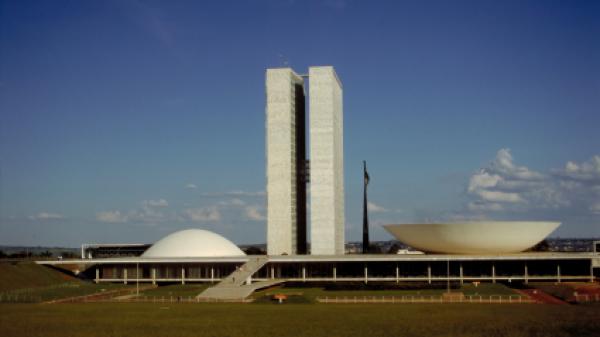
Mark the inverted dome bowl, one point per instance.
(485, 237)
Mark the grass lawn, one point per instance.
(564, 291)
(184, 290)
(487, 289)
(147, 319)
(29, 282)
(61, 291)
(484, 289)
(24, 275)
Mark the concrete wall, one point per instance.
(326, 162)
(281, 148)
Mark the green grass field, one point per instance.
(310, 293)
(269, 319)
(562, 291)
(64, 290)
(24, 275)
(29, 282)
(145, 319)
(177, 290)
(484, 289)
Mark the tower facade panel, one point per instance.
(326, 162)
(282, 137)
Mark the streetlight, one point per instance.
(137, 279)
(448, 273)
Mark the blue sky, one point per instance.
(122, 121)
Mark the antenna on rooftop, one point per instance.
(283, 60)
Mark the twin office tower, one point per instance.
(289, 171)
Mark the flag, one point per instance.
(366, 174)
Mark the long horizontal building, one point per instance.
(196, 255)
(523, 267)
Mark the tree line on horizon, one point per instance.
(25, 255)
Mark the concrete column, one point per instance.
(591, 271)
(429, 273)
(366, 274)
(558, 273)
(397, 274)
(461, 274)
(97, 275)
(493, 273)
(526, 274)
(182, 275)
(124, 275)
(334, 273)
(272, 272)
(212, 274)
(303, 273)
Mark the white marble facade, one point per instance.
(281, 160)
(326, 161)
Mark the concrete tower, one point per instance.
(286, 162)
(286, 156)
(326, 162)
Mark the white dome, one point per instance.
(485, 237)
(193, 243)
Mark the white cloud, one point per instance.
(111, 217)
(236, 193)
(484, 206)
(497, 196)
(191, 186)
(588, 170)
(502, 182)
(46, 216)
(503, 164)
(146, 214)
(505, 186)
(253, 213)
(204, 214)
(372, 207)
(232, 202)
(155, 203)
(482, 180)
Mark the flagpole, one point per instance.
(365, 214)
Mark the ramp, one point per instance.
(236, 293)
(239, 285)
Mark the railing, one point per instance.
(101, 295)
(32, 289)
(19, 298)
(24, 295)
(427, 299)
(587, 298)
(171, 299)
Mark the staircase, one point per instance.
(243, 273)
(238, 285)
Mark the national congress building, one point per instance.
(289, 170)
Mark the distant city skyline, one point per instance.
(123, 121)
